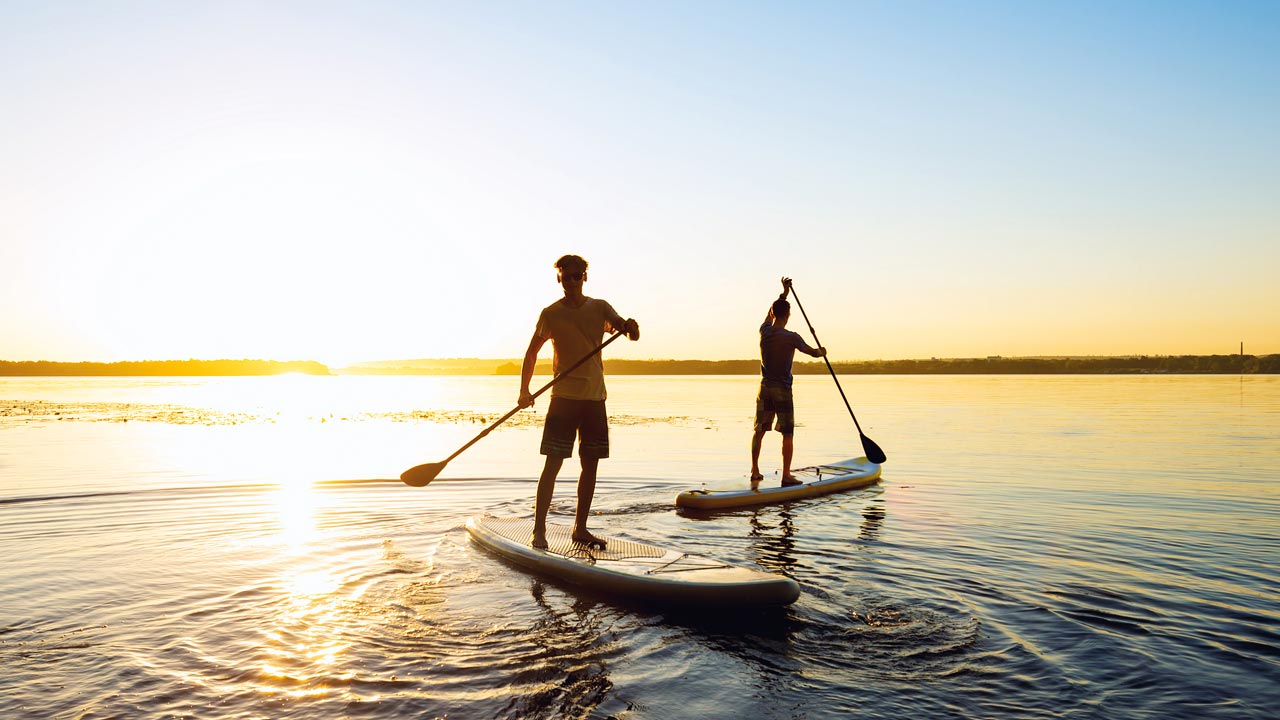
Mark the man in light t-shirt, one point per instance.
(575, 325)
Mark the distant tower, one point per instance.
(1241, 348)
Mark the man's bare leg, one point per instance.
(586, 493)
(788, 449)
(756, 439)
(546, 489)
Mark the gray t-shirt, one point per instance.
(777, 350)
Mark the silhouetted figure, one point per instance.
(575, 325)
(774, 405)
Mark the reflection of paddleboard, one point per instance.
(818, 480)
(631, 569)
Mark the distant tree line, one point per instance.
(1179, 364)
(453, 366)
(1144, 364)
(1149, 364)
(45, 368)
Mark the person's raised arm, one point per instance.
(786, 289)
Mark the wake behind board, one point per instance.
(819, 480)
(631, 569)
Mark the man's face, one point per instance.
(572, 277)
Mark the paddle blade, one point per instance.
(420, 475)
(873, 451)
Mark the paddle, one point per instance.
(420, 475)
(873, 451)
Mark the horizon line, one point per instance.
(458, 359)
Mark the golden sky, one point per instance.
(346, 183)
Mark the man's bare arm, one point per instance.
(786, 290)
(526, 370)
(628, 326)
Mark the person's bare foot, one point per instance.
(539, 540)
(584, 537)
(790, 480)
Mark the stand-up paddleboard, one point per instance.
(633, 570)
(819, 480)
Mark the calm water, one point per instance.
(1082, 547)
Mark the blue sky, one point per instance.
(350, 181)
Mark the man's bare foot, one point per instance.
(756, 477)
(539, 540)
(584, 537)
(790, 480)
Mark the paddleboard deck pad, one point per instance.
(632, 570)
(818, 480)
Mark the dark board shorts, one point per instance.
(774, 407)
(585, 419)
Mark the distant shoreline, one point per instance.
(1127, 365)
(160, 368)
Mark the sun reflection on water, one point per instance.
(304, 587)
(303, 645)
(296, 504)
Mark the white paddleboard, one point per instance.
(818, 480)
(632, 570)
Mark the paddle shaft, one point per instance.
(541, 390)
(830, 369)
